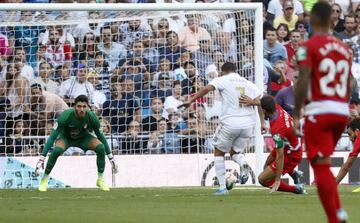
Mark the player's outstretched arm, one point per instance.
(345, 168)
(49, 143)
(199, 94)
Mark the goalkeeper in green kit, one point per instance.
(73, 128)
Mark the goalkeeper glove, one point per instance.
(40, 165)
(114, 167)
(279, 142)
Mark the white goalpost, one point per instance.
(132, 58)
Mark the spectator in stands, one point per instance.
(15, 142)
(163, 89)
(349, 30)
(356, 12)
(17, 91)
(133, 30)
(106, 129)
(129, 90)
(57, 53)
(275, 9)
(288, 17)
(173, 101)
(102, 68)
(218, 59)
(179, 72)
(280, 68)
(211, 72)
(228, 47)
(164, 67)
(194, 141)
(336, 21)
(27, 37)
(273, 50)
(98, 97)
(65, 37)
(76, 86)
(150, 53)
(190, 35)
(285, 97)
(88, 50)
(121, 108)
(303, 31)
(133, 143)
(213, 123)
(247, 32)
(83, 29)
(161, 30)
(5, 50)
(282, 33)
(44, 107)
(44, 80)
(135, 70)
(173, 50)
(188, 84)
(156, 139)
(62, 74)
(112, 51)
(41, 50)
(150, 123)
(292, 46)
(203, 56)
(20, 59)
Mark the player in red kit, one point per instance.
(353, 131)
(323, 87)
(287, 153)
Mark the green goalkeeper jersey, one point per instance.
(74, 128)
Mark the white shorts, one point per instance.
(226, 138)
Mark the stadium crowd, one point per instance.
(138, 69)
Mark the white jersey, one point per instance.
(231, 87)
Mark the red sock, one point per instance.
(327, 189)
(283, 187)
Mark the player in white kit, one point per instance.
(237, 120)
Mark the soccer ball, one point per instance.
(230, 180)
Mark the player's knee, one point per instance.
(100, 149)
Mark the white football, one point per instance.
(230, 180)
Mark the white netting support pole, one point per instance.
(259, 79)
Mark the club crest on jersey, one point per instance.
(301, 53)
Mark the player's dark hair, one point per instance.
(322, 12)
(228, 67)
(354, 124)
(36, 86)
(268, 104)
(81, 98)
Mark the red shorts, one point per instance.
(321, 134)
(290, 161)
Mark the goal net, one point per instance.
(136, 63)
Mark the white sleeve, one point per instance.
(271, 7)
(218, 83)
(62, 89)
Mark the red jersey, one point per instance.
(282, 125)
(330, 63)
(356, 147)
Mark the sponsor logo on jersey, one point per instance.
(301, 53)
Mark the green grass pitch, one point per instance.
(170, 205)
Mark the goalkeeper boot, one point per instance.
(100, 183)
(244, 173)
(300, 189)
(296, 176)
(43, 184)
(356, 190)
(342, 215)
(221, 192)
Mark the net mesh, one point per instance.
(135, 67)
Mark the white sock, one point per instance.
(239, 159)
(220, 170)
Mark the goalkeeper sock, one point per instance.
(327, 189)
(100, 175)
(283, 186)
(52, 159)
(220, 170)
(100, 158)
(239, 158)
